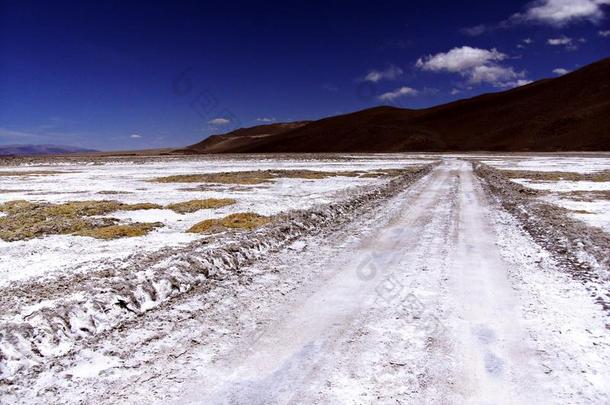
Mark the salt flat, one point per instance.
(594, 212)
(419, 287)
(130, 183)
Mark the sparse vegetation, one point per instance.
(589, 195)
(580, 212)
(221, 187)
(241, 220)
(25, 226)
(27, 220)
(389, 172)
(196, 205)
(371, 175)
(90, 208)
(265, 176)
(139, 206)
(120, 231)
(243, 177)
(30, 173)
(557, 176)
(111, 192)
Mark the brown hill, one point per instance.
(240, 138)
(568, 113)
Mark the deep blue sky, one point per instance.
(110, 75)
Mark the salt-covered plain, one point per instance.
(581, 163)
(594, 209)
(432, 281)
(129, 181)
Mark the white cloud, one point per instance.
(391, 73)
(459, 59)
(477, 65)
(495, 75)
(562, 12)
(455, 91)
(560, 71)
(563, 40)
(525, 43)
(265, 119)
(567, 42)
(219, 121)
(135, 136)
(556, 13)
(604, 33)
(400, 92)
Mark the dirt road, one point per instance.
(437, 297)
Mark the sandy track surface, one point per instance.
(437, 296)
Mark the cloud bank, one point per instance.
(562, 12)
(477, 65)
(555, 13)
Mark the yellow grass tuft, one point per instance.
(27, 220)
(120, 231)
(246, 177)
(241, 220)
(196, 205)
(557, 176)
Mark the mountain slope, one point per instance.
(35, 150)
(241, 137)
(571, 112)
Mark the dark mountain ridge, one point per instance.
(567, 113)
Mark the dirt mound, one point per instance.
(568, 113)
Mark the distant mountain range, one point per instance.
(37, 150)
(567, 113)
